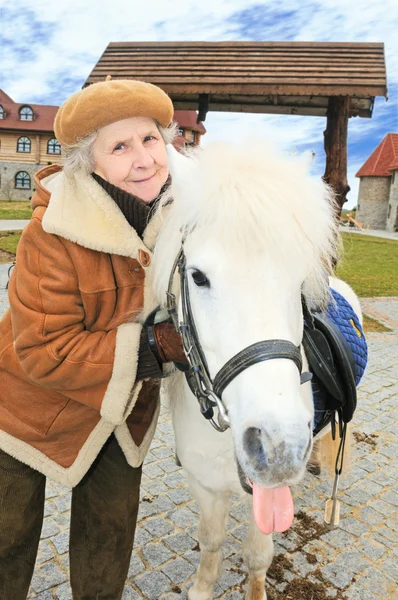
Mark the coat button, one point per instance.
(144, 258)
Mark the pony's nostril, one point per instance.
(310, 424)
(252, 443)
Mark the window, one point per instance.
(191, 136)
(22, 180)
(25, 113)
(23, 144)
(53, 146)
(180, 131)
(2, 113)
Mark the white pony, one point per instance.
(258, 232)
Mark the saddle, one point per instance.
(337, 354)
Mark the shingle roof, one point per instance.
(274, 77)
(43, 115)
(187, 118)
(383, 159)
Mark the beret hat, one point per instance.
(106, 102)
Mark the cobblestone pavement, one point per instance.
(357, 561)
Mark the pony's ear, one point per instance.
(180, 167)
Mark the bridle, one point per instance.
(209, 391)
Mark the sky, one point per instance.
(49, 47)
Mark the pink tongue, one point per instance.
(273, 508)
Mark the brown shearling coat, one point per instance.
(79, 293)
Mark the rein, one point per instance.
(208, 391)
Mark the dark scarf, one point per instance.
(137, 212)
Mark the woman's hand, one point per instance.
(168, 343)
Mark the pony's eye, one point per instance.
(200, 279)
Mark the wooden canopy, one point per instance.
(336, 80)
(259, 77)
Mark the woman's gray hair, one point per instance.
(80, 156)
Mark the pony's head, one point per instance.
(259, 233)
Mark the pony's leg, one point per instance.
(258, 550)
(212, 531)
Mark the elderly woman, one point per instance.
(79, 369)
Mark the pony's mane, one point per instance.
(251, 195)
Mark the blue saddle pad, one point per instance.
(341, 313)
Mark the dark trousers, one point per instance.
(103, 519)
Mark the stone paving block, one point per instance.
(240, 532)
(153, 584)
(153, 471)
(156, 554)
(178, 570)
(47, 576)
(45, 552)
(339, 538)
(136, 566)
(369, 515)
(44, 596)
(62, 520)
(175, 480)
(179, 542)
(193, 556)
(50, 528)
(391, 497)
(163, 452)
(64, 502)
(49, 508)
(61, 542)
(154, 488)
(63, 592)
(179, 495)
(369, 548)
(158, 527)
(168, 465)
(141, 537)
(130, 594)
(230, 578)
(183, 517)
(382, 507)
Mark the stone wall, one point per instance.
(8, 171)
(373, 202)
(392, 215)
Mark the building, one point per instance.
(378, 188)
(189, 131)
(27, 143)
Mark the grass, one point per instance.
(15, 210)
(371, 325)
(369, 265)
(9, 242)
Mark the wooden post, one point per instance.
(335, 138)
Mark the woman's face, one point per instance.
(131, 154)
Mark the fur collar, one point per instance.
(81, 211)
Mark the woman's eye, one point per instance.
(149, 138)
(119, 147)
(200, 279)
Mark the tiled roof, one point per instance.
(383, 159)
(187, 118)
(43, 116)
